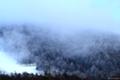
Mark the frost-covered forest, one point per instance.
(85, 54)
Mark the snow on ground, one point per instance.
(9, 65)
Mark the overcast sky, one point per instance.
(93, 14)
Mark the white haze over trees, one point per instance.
(92, 53)
(60, 36)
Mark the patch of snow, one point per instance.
(9, 65)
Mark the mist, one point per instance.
(40, 49)
(63, 15)
(73, 32)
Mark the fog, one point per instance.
(64, 15)
(78, 22)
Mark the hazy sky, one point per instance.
(96, 14)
